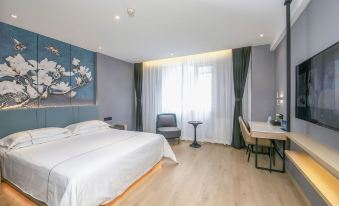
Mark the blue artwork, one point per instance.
(84, 61)
(51, 50)
(18, 56)
(40, 71)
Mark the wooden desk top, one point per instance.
(266, 131)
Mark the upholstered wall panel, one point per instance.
(41, 118)
(88, 113)
(76, 114)
(59, 116)
(17, 120)
(25, 119)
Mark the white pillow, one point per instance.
(22, 144)
(12, 140)
(83, 127)
(47, 132)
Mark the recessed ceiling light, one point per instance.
(130, 12)
(117, 17)
(261, 35)
(171, 54)
(14, 16)
(99, 47)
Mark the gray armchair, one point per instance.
(167, 126)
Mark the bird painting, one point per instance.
(18, 45)
(53, 50)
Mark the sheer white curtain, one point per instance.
(196, 87)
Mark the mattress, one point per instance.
(88, 169)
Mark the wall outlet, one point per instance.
(107, 119)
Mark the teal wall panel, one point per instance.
(17, 120)
(88, 113)
(12, 121)
(59, 116)
(75, 114)
(41, 118)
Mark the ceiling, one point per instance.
(158, 29)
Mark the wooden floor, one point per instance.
(212, 175)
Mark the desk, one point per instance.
(265, 130)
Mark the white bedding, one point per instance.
(87, 169)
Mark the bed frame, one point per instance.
(108, 203)
(16, 120)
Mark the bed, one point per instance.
(86, 169)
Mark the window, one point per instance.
(198, 87)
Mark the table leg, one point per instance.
(283, 156)
(270, 151)
(195, 134)
(256, 152)
(195, 144)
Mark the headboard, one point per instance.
(12, 121)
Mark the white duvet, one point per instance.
(86, 169)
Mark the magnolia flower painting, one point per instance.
(26, 81)
(29, 80)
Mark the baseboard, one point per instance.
(295, 183)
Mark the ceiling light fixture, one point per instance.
(99, 47)
(261, 35)
(131, 12)
(171, 54)
(14, 16)
(117, 17)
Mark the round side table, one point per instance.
(195, 124)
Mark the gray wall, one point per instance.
(115, 90)
(316, 29)
(280, 72)
(263, 83)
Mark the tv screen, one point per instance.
(317, 88)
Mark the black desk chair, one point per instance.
(167, 126)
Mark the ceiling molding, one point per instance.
(297, 7)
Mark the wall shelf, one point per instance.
(324, 155)
(321, 179)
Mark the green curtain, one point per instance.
(241, 59)
(138, 94)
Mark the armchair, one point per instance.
(167, 126)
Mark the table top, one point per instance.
(266, 130)
(195, 122)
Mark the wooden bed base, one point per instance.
(134, 185)
(29, 199)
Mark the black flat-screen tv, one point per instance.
(317, 88)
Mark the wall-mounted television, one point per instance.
(317, 88)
